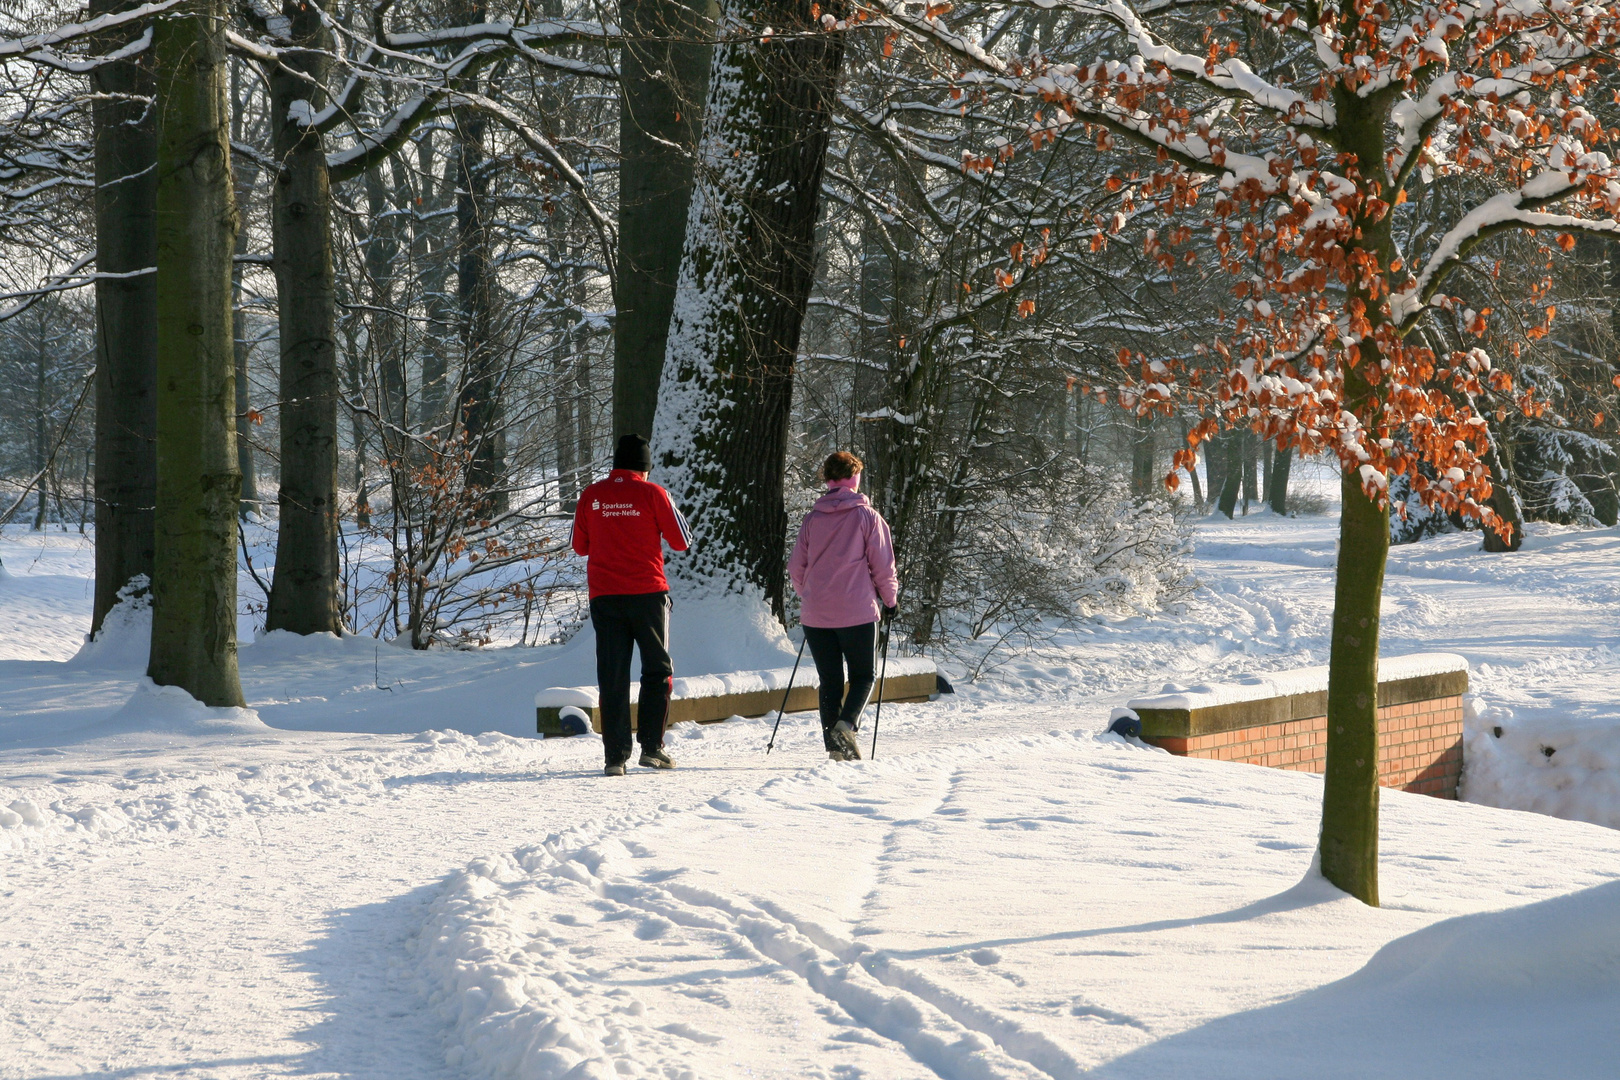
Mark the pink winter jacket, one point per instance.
(843, 563)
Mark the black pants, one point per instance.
(831, 648)
(642, 621)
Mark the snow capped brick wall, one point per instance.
(1280, 721)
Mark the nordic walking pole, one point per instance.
(885, 674)
(785, 694)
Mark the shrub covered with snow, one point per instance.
(1024, 566)
(1542, 760)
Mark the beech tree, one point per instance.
(1298, 176)
(198, 479)
(721, 430)
(663, 78)
(126, 328)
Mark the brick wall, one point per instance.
(1419, 745)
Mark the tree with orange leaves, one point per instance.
(1299, 179)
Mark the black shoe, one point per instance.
(615, 769)
(655, 758)
(844, 738)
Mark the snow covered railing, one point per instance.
(1280, 719)
(704, 699)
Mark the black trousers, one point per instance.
(622, 622)
(832, 648)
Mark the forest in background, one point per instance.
(412, 267)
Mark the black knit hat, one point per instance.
(633, 453)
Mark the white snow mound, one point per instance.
(124, 642)
(169, 710)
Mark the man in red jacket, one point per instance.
(617, 528)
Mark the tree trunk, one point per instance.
(1349, 837)
(440, 329)
(663, 79)
(1249, 446)
(1142, 452)
(585, 452)
(1504, 500)
(194, 572)
(249, 504)
(722, 424)
(1350, 785)
(1231, 471)
(382, 248)
(245, 173)
(478, 401)
(42, 441)
(1215, 468)
(126, 321)
(1282, 465)
(1198, 490)
(566, 443)
(304, 594)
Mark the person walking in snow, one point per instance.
(843, 570)
(618, 526)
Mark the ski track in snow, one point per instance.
(999, 895)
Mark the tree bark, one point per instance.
(721, 430)
(1282, 465)
(198, 485)
(41, 422)
(1349, 838)
(663, 79)
(304, 593)
(1231, 471)
(1142, 452)
(249, 505)
(1504, 500)
(478, 400)
(245, 174)
(1249, 446)
(126, 322)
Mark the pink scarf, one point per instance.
(853, 483)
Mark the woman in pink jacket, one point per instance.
(843, 570)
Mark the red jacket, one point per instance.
(617, 526)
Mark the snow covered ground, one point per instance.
(377, 871)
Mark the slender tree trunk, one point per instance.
(722, 423)
(41, 426)
(1504, 500)
(1249, 447)
(198, 485)
(1282, 465)
(584, 420)
(126, 321)
(1349, 837)
(566, 444)
(1198, 490)
(1142, 453)
(304, 596)
(663, 80)
(478, 401)
(382, 248)
(1350, 788)
(249, 505)
(1215, 468)
(245, 174)
(440, 330)
(1231, 471)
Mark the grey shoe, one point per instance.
(655, 758)
(616, 769)
(844, 738)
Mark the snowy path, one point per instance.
(1001, 895)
